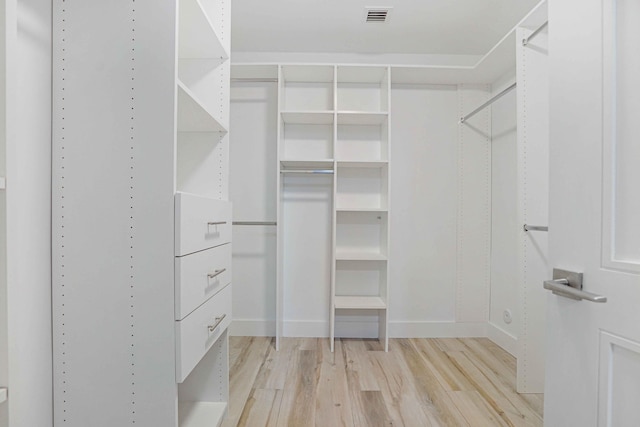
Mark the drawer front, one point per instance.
(201, 223)
(195, 334)
(200, 276)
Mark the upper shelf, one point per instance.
(198, 38)
(193, 116)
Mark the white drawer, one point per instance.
(195, 333)
(201, 223)
(199, 276)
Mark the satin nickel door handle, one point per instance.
(216, 223)
(216, 273)
(568, 284)
(216, 323)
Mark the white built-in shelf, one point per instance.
(3, 183)
(341, 209)
(198, 37)
(373, 164)
(201, 414)
(359, 302)
(308, 117)
(361, 118)
(307, 164)
(3, 394)
(193, 116)
(360, 256)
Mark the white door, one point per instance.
(593, 349)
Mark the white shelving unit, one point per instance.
(361, 199)
(155, 274)
(306, 138)
(334, 120)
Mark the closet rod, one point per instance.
(318, 171)
(253, 80)
(489, 102)
(255, 223)
(525, 40)
(527, 227)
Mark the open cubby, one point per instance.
(203, 396)
(362, 186)
(197, 26)
(361, 88)
(306, 141)
(307, 88)
(204, 79)
(201, 164)
(362, 142)
(361, 278)
(361, 235)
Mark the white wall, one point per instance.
(424, 178)
(252, 181)
(29, 221)
(504, 212)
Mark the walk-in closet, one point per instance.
(319, 213)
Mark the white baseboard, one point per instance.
(252, 328)
(302, 328)
(345, 328)
(502, 338)
(437, 329)
(364, 328)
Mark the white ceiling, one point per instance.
(460, 27)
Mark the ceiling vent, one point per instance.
(377, 14)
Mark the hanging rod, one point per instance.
(253, 80)
(255, 223)
(527, 227)
(525, 40)
(318, 171)
(489, 102)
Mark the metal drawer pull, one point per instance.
(528, 227)
(217, 223)
(218, 320)
(569, 285)
(216, 273)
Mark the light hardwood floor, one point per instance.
(419, 382)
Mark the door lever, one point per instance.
(569, 285)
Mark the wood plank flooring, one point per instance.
(466, 382)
